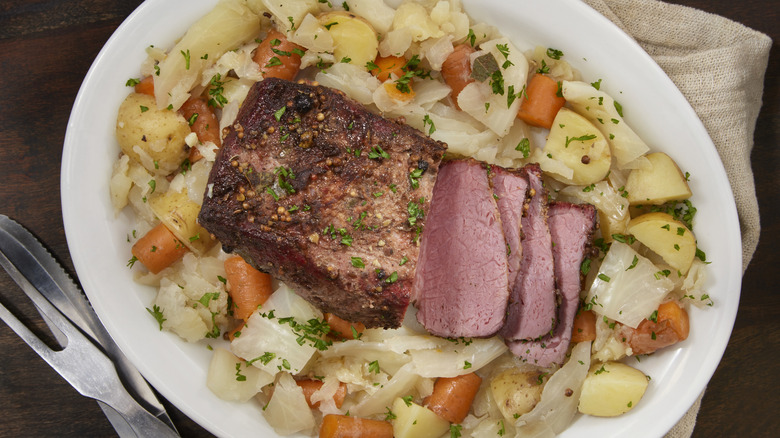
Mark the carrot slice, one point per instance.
(342, 426)
(248, 287)
(387, 65)
(452, 396)
(677, 318)
(456, 70)
(278, 57)
(146, 86)
(310, 386)
(541, 102)
(158, 249)
(343, 328)
(670, 326)
(203, 122)
(584, 328)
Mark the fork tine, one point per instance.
(27, 336)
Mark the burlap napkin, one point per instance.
(719, 66)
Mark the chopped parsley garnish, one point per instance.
(217, 100)
(186, 56)
(582, 138)
(377, 152)
(279, 113)
(157, 314)
(604, 277)
(554, 53)
(428, 121)
(373, 367)
(357, 262)
(525, 147)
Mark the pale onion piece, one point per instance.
(461, 144)
(387, 104)
(311, 35)
(550, 165)
(559, 69)
(436, 51)
(416, 18)
(263, 334)
(451, 19)
(553, 414)
(427, 92)
(238, 61)
(226, 27)
(353, 80)
(612, 206)
(390, 360)
(478, 98)
(324, 395)
(120, 184)
(179, 316)
(624, 293)
(398, 386)
(153, 56)
(396, 42)
(606, 347)
(318, 59)
(510, 143)
(376, 12)
(694, 282)
(484, 32)
(453, 359)
(297, 10)
(600, 108)
(403, 343)
(287, 411)
(235, 91)
(197, 177)
(230, 379)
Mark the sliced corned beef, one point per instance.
(531, 311)
(460, 286)
(571, 227)
(511, 188)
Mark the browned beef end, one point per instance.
(571, 227)
(312, 188)
(532, 302)
(461, 284)
(510, 189)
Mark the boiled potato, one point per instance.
(611, 389)
(577, 143)
(180, 215)
(661, 182)
(415, 421)
(151, 136)
(667, 237)
(353, 37)
(516, 392)
(229, 377)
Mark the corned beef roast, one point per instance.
(571, 226)
(312, 188)
(461, 286)
(533, 299)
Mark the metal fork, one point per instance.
(82, 364)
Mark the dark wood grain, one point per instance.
(46, 48)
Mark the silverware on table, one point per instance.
(128, 400)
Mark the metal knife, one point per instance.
(40, 268)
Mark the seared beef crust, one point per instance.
(317, 191)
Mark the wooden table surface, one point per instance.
(46, 48)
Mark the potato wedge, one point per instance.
(150, 136)
(658, 184)
(180, 215)
(667, 237)
(611, 389)
(415, 421)
(580, 146)
(353, 37)
(516, 392)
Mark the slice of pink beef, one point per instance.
(510, 189)
(571, 227)
(532, 305)
(461, 286)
